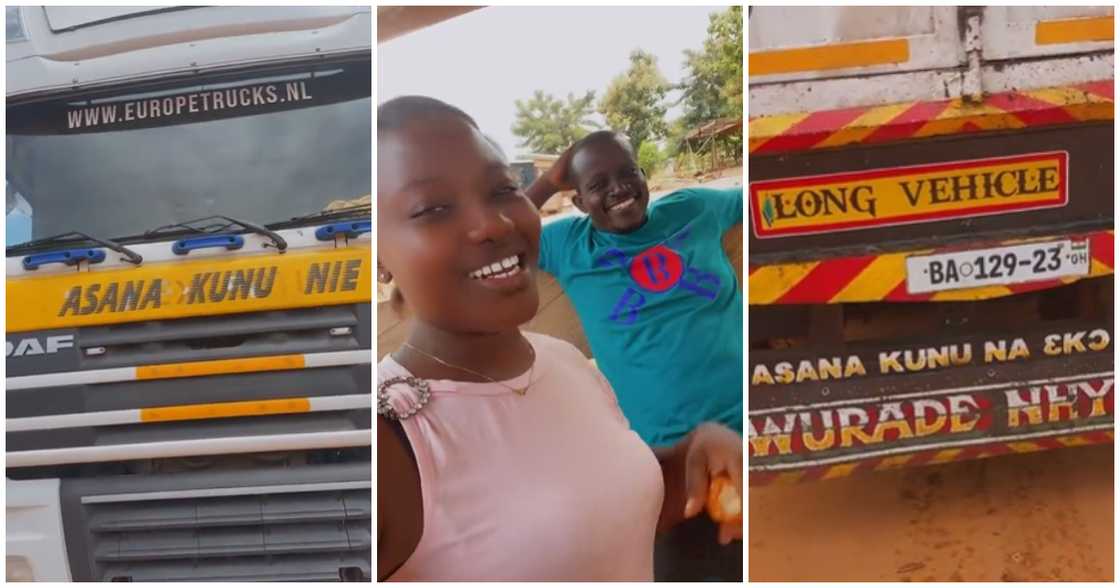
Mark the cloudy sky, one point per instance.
(486, 59)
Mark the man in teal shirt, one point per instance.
(654, 290)
(661, 307)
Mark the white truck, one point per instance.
(188, 294)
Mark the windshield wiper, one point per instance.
(197, 227)
(348, 212)
(213, 225)
(74, 239)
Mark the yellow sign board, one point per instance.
(911, 194)
(200, 287)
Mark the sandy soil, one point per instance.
(664, 184)
(1043, 516)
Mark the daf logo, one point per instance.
(35, 346)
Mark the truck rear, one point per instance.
(188, 294)
(931, 244)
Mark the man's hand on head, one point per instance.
(560, 172)
(554, 180)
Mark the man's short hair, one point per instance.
(606, 135)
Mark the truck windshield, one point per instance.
(258, 147)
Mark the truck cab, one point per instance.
(189, 284)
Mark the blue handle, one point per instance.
(185, 246)
(349, 228)
(69, 257)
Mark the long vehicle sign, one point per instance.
(891, 196)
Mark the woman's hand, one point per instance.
(689, 466)
(712, 450)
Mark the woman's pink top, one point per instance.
(552, 485)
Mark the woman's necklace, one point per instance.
(518, 391)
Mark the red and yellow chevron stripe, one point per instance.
(870, 278)
(878, 124)
(930, 457)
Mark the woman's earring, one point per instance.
(384, 277)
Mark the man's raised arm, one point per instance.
(552, 181)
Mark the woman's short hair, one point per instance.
(398, 112)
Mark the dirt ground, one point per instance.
(1034, 517)
(667, 183)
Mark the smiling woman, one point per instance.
(469, 404)
(449, 229)
(417, 193)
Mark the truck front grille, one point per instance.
(279, 531)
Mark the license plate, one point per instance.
(1012, 264)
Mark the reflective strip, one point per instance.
(224, 410)
(188, 412)
(347, 402)
(192, 369)
(945, 455)
(1073, 441)
(883, 278)
(962, 117)
(764, 128)
(829, 57)
(1074, 30)
(784, 133)
(760, 477)
(219, 366)
(767, 283)
(165, 449)
(786, 477)
(67, 421)
(839, 471)
(216, 410)
(893, 461)
(876, 281)
(863, 125)
(69, 378)
(1024, 446)
(318, 360)
(217, 492)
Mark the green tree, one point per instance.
(713, 86)
(650, 158)
(635, 101)
(546, 124)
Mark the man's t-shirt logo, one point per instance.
(657, 269)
